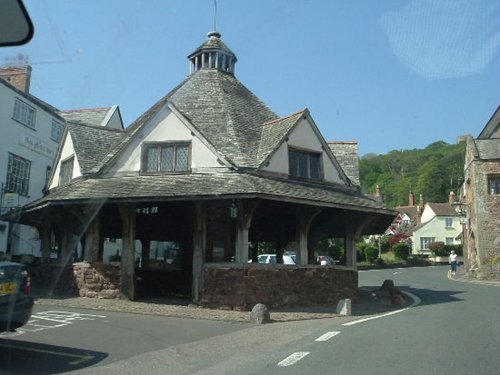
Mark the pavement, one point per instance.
(368, 302)
(467, 277)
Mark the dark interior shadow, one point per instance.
(23, 357)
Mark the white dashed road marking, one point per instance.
(327, 336)
(292, 359)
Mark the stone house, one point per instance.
(481, 195)
(191, 189)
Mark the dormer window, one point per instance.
(166, 157)
(305, 164)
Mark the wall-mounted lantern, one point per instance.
(233, 210)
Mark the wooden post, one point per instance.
(304, 218)
(350, 248)
(145, 252)
(128, 214)
(44, 231)
(92, 241)
(199, 243)
(244, 221)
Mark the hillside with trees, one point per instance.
(433, 172)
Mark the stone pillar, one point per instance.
(128, 214)
(199, 244)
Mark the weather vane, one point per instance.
(215, 15)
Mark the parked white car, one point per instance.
(271, 259)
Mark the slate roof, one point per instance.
(209, 186)
(88, 116)
(488, 149)
(346, 154)
(492, 128)
(224, 111)
(92, 143)
(213, 43)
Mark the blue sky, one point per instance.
(388, 74)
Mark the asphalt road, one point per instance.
(453, 330)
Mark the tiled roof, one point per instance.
(89, 116)
(443, 209)
(92, 143)
(217, 185)
(411, 211)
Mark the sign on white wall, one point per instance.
(36, 145)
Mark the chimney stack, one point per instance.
(411, 199)
(420, 209)
(17, 76)
(378, 194)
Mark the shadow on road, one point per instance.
(433, 296)
(372, 301)
(22, 357)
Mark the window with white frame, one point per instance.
(24, 113)
(18, 175)
(494, 185)
(304, 164)
(450, 241)
(66, 172)
(426, 241)
(166, 157)
(448, 222)
(56, 132)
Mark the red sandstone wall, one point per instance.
(277, 286)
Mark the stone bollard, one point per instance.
(387, 286)
(344, 307)
(260, 314)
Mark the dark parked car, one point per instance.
(15, 301)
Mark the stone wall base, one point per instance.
(277, 286)
(78, 279)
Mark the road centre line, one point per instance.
(416, 301)
(327, 336)
(292, 359)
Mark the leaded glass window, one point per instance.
(167, 157)
(305, 164)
